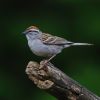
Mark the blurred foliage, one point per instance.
(75, 20)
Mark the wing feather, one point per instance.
(53, 40)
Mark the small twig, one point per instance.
(55, 82)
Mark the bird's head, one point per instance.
(32, 32)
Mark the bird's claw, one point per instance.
(43, 64)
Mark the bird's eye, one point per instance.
(35, 34)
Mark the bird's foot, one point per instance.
(43, 64)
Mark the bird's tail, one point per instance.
(76, 44)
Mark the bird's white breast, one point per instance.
(40, 49)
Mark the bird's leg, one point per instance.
(50, 58)
(46, 61)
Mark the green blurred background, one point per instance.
(75, 20)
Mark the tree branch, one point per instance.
(55, 82)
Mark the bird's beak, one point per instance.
(24, 32)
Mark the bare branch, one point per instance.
(55, 82)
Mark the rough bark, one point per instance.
(55, 82)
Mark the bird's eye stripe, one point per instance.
(33, 31)
(30, 31)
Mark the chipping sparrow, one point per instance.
(46, 45)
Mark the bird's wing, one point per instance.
(53, 40)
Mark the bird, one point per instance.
(46, 45)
